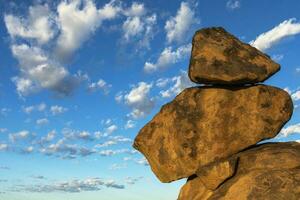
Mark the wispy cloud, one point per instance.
(233, 4)
(71, 186)
(272, 37)
(168, 57)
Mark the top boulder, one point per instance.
(220, 58)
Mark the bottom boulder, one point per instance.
(264, 172)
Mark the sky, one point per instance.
(79, 79)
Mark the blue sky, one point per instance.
(78, 79)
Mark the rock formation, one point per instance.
(209, 134)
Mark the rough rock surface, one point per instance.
(220, 58)
(203, 125)
(264, 172)
(216, 173)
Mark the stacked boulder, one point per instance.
(209, 133)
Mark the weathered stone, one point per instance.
(203, 125)
(216, 173)
(194, 189)
(220, 58)
(264, 172)
(261, 185)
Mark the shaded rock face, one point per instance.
(268, 171)
(220, 58)
(202, 125)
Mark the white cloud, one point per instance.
(37, 26)
(3, 147)
(292, 129)
(38, 71)
(268, 39)
(39, 107)
(139, 101)
(100, 85)
(138, 26)
(296, 95)
(48, 138)
(142, 161)
(162, 82)
(111, 129)
(168, 57)
(110, 152)
(180, 82)
(21, 135)
(129, 124)
(277, 57)
(117, 166)
(3, 130)
(55, 110)
(73, 186)
(42, 121)
(78, 20)
(136, 9)
(132, 181)
(28, 150)
(178, 27)
(113, 140)
(233, 4)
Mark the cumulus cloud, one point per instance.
(42, 121)
(272, 37)
(139, 101)
(73, 186)
(292, 129)
(55, 110)
(67, 27)
(28, 150)
(179, 26)
(78, 20)
(21, 135)
(38, 26)
(39, 107)
(168, 57)
(296, 95)
(233, 4)
(47, 138)
(129, 124)
(179, 83)
(99, 85)
(37, 69)
(138, 26)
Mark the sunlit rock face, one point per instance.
(220, 58)
(202, 125)
(210, 133)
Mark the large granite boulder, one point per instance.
(203, 125)
(220, 58)
(264, 172)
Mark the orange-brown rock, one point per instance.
(220, 58)
(216, 173)
(205, 124)
(264, 172)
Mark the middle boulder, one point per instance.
(205, 124)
